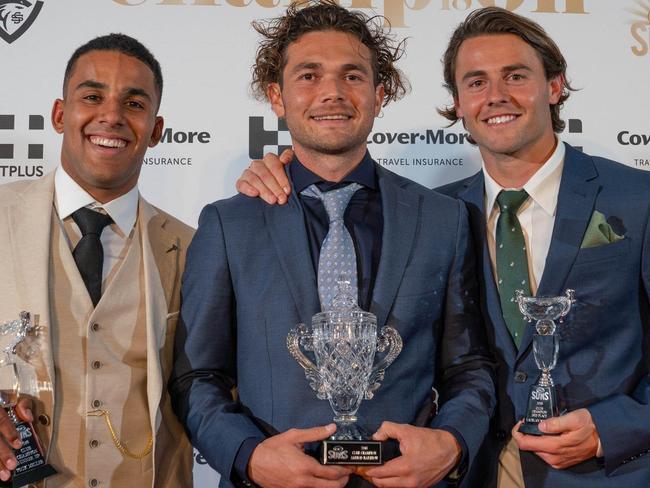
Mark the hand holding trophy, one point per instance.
(344, 342)
(542, 402)
(31, 461)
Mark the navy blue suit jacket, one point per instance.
(249, 279)
(604, 358)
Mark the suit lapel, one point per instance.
(160, 255)
(401, 213)
(474, 197)
(29, 229)
(286, 225)
(576, 200)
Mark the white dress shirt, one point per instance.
(70, 197)
(536, 215)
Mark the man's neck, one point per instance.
(330, 167)
(514, 171)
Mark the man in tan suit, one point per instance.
(105, 299)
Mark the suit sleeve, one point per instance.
(623, 421)
(465, 368)
(204, 376)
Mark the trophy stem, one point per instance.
(545, 379)
(12, 414)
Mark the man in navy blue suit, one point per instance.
(584, 225)
(251, 276)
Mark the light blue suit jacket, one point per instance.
(249, 279)
(604, 358)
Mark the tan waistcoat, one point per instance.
(100, 363)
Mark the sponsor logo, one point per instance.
(640, 27)
(8, 151)
(172, 136)
(24, 431)
(337, 453)
(395, 11)
(262, 140)
(16, 16)
(540, 394)
(627, 138)
(574, 126)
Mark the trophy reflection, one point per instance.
(31, 462)
(344, 342)
(542, 400)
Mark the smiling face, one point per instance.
(108, 120)
(504, 97)
(327, 97)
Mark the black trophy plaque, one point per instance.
(542, 405)
(31, 461)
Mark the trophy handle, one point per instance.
(388, 338)
(570, 300)
(300, 336)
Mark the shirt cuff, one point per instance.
(240, 466)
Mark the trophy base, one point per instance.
(542, 405)
(357, 452)
(31, 463)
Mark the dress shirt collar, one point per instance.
(364, 173)
(543, 187)
(70, 197)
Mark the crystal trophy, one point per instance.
(31, 461)
(542, 399)
(345, 343)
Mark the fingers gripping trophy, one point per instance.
(31, 461)
(346, 345)
(542, 400)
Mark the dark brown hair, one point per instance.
(322, 15)
(496, 20)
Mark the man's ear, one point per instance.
(555, 89)
(274, 93)
(459, 111)
(57, 115)
(379, 98)
(157, 131)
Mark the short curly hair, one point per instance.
(495, 21)
(322, 15)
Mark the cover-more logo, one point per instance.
(640, 27)
(16, 16)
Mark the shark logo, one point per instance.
(16, 16)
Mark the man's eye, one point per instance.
(307, 76)
(476, 83)
(352, 77)
(517, 77)
(134, 104)
(91, 98)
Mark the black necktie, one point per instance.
(89, 253)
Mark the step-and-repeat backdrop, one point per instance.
(214, 126)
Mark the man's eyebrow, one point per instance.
(131, 91)
(90, 84)
(306, 65)
(138, 92)
(505, 69)
(355, 67)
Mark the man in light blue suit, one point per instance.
(251, 276)
(584, 222)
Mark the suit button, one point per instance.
(96, 365)
(520, 377)
(501, 435)
(93, 483)
(44, 419)
(97, 403)
(94, 443)
(95, 327)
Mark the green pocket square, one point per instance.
(599, 232)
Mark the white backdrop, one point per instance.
(206, 48)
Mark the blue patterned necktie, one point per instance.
(337, 256)
(512, 261)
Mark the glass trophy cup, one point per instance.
(542, 399)
(31, 461)
(345, 344)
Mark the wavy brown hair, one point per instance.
(496, 20)
(322, 15)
